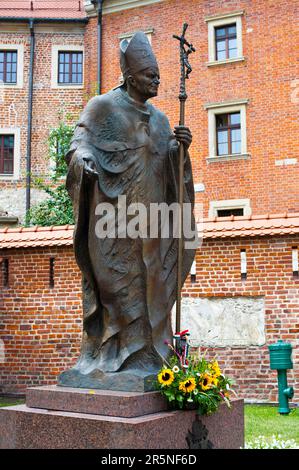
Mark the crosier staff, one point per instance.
(185, 49)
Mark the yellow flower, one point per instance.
(215, 381)
(166, 377)
(226, 394)
(187, 385)
(215, 369)
(206, 381)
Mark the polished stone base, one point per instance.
(56, 417)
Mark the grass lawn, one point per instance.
(5, 401)
(264, 420)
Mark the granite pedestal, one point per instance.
(58, 417)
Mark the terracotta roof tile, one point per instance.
(70, 9)
(36, 236)
(255, 225)
(217, 227)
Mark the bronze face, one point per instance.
(144, 84)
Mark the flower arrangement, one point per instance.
(192, 382)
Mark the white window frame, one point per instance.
(224, 20)
(224, 108)
(230, 204)
(54, 68)
(20, 65)
(17, 153)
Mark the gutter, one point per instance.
(99, 63)
(29, 126)
(14, 19)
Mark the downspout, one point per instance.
(99, 65)
(29, 125)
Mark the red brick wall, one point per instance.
(48, 103)
(269, 265)
(41, 327)
(266, 78)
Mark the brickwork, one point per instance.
(48, 103)
(41, 326)
(266, 77)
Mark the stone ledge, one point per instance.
(100, 402)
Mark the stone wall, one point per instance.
(230, 318)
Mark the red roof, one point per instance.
(22, 237)
(252, 226)
(70, 9)
(219, 227)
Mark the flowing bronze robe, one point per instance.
(129, 285)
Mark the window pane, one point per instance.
(60, 78)
(221, 46)
(1, 56)
(235, 118)
(236, 147)
(232, 44)
(61, 57)
(67, 58)
(222, 137)
(8, 67)
(80, 68)
(80, 55)
(14, 57)
(232, 53)
(232, 30)
(79, 77)
(1, 66)
(236, 135)
(221, 55)
(8, 56)
(220, 32)
(14, 67)
(74, 68)
(221, 120)
(222, 149)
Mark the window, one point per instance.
(67, 66)
(230, 207)
(226, 42)
(11, 65)
(225, 38)
(10, 138)
(8, 66)
(228, 133)
(70, 67)
(7, 154)
(229, 212)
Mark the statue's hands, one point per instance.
(183, 135)
(89, 168)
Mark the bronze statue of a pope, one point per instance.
(124, 146)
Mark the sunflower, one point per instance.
(214, 381)
(206, 381)
(187, 385)
(215, 369)
(166, 377)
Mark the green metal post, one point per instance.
(280, 359)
